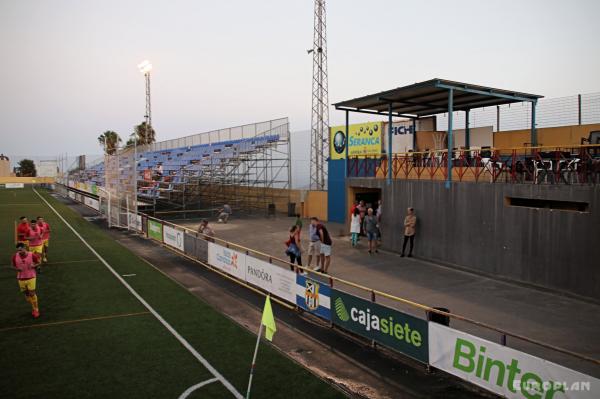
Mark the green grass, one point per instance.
(131, 356)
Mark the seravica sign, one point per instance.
(505, 371)
(402, 332)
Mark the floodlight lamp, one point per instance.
(145, 67)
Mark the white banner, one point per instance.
(14, 185)
(230, 261)
(72, 194)
(274, 279)
(172, 237)
(92, 203)
(505, 371)
(134, 221)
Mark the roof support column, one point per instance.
(414, 132)
(467, 130)
(534, 141)
(389, 150)
(450, 134)
(346, 142)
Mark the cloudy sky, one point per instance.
(68, 68)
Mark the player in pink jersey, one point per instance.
(36, 240)
(24, 262)
(45, 237)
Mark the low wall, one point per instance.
(472, 226)
(27, 180)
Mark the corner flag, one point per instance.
(268, 320)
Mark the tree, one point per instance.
(109, 140)
(26, 168)
(145, 135)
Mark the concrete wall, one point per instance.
(471, 226)
(549, 136)
(5, 170)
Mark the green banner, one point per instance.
(155, 230)
(396, 330)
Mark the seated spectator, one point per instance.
(224, 213)
(206, 231)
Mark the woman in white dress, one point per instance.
(355, 226)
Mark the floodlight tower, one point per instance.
(319, 140)
(145, 67)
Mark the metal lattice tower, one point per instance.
(148, 115)
(320, 102)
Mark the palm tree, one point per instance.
(145, 134)
(26, 168)
(109, 140)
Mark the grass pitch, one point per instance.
(94, 339)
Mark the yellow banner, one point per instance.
(364, 139)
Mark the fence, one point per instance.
(579, 109)
(535, 165)
(275, 126)
(406, 327)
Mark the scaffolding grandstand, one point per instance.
(247, 167)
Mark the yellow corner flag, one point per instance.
(268, 320)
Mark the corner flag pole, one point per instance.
(268, 321)
(254, 361)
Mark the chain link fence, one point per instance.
(581, 109)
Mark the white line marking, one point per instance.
(182, 340)
(128, 275)
(194, 387)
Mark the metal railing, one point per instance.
(275, 126)
(373, 294)
(536, 165)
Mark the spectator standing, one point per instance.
(362, 209)
(224, 213)
(326, 244)
(410, 222)
(314, 247)
(379, 214)
(355, 227)
(299, 223)
(353, 208)
(370, 227)
(293, 246)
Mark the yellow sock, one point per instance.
(34, 302)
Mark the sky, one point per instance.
(68, 68)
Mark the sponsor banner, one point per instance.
(364, 139)
(229, 260)
(134, 221)
(71, 194)
(402, 332)
(402, 137)
(274, 279)
(505, 371)
(155, 230)
(14, 185)
(173, 237)
(92, 203)
(313, 296)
